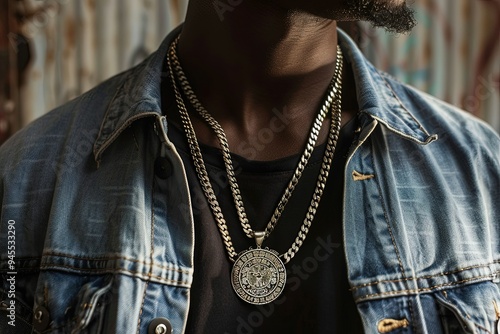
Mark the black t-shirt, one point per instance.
(317, 297)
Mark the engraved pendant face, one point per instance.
(258, 276)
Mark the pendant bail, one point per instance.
(259, 237)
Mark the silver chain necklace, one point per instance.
(259, 275)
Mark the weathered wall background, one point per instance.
(79, 43)
(454, 53)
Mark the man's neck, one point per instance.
(257, 60)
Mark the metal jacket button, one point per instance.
(163, 167)
(41, 318)
(160, 326)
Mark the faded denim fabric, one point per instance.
(104, 240)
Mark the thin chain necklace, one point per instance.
(258, 275)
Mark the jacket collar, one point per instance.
(139, 96)
(377, 98)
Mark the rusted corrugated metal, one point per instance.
(453, 53)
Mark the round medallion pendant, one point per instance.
(258, 276)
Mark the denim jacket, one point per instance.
(95, 203)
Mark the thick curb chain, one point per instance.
(200, 166)
(332, 102)
(333, 136)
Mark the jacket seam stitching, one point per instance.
(423, 277)
(151, 255)
(421, 289)
(102, 271)
(118, 258)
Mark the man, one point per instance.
(252, 177)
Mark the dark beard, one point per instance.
(395, 18)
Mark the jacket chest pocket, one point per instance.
(461, 309)
(67, 303)
(471, 308)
